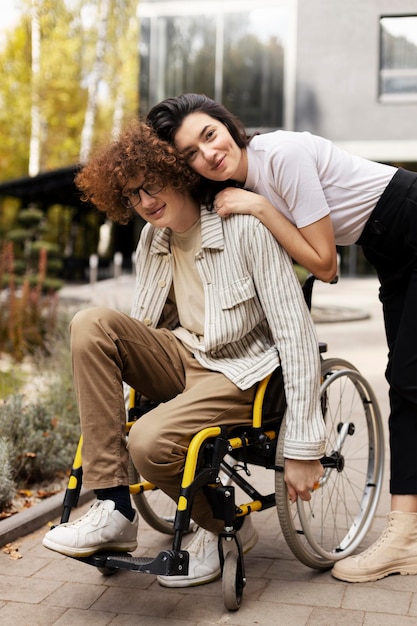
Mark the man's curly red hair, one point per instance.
(138, 154)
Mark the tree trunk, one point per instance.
(35, 114)
(93, 84)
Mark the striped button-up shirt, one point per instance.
(255, 315)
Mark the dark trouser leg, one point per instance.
(389, 242)
(400, 311)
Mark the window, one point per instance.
(398, 59)
(229, 51)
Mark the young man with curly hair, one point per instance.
(217, 307)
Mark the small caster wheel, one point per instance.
(232, 581)
(107, 571)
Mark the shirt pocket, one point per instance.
(239, 292)
(239, 312)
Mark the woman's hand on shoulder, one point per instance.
(235, 200)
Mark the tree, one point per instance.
(94, 81)
(64, 70)
(47, 65)
(15, 98)
(35, 111)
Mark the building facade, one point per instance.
(228, 49)
(344, 70)
(356, 76)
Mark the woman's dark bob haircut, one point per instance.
(167, 116)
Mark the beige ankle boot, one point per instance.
(395, 552)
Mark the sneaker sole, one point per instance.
(84, 552)
(184, 581)
(369, 578)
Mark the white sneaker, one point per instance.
(102, 528)
(204, 565)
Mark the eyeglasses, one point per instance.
(133, 198)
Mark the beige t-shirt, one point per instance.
(188, 288)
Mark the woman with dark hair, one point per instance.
(313, 196)
(167, 117)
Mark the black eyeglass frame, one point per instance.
(126, 201)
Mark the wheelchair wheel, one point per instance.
(155, 507)
(232, 581)
(334, 522)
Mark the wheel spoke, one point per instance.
(332, 524)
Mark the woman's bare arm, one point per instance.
(313, 246)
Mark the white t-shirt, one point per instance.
(307, 177)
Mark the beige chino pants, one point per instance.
(109, 347)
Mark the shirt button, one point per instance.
(147, 321)
(161, 284)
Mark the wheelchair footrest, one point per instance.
(167, 563)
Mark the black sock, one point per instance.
(121, 498)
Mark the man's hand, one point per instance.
(301, 478)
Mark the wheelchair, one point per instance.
(319, 532)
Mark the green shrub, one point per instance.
(18, 235)
(7, 485)
(31, 217)
(51, 248)
(11, 380)
(53, 364)
(40, 442)
(39, 426)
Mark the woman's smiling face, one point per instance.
(210, 149)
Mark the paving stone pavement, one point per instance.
(44, 588)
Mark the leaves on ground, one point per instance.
(12, 549)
